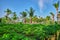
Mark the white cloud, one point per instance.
(41, 4)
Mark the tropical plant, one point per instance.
(41, 20)
(27, 20)
(35, 19)
(31, 13)
(27, 31)
(48, 18)
(24, 14)
(8, 12)
(14, 16)
(56, 5)
(52, 15)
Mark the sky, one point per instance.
(42, 7)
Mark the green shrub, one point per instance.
(21, 31)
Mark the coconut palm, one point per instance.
(52, 15)
(24, 14)
(56, 5)
(14, 16)
(8, 12)
(31, 13)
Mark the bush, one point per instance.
(27, 31)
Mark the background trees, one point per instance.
(24, 14)
(52, 15)
(14, 16)
(8, 12)
(31, 13)
(19, 31)
(35, 19)
(56, 5)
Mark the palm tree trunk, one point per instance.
(57, 12)
(53, 18)
(25, 20)
(6, 17)
(30, 19)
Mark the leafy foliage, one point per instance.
(14, 16)
(27, 31)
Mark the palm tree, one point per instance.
(58, 23)
(56, 5)
(14, 16)
(8, 12)
(52, 15)
(24, 14)
(31, 13)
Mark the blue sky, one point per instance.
(41, 7)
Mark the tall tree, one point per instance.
(52, 15)
(56, 5)
(24, 14)
(8, 12)
(31, 13)
(14, 16)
